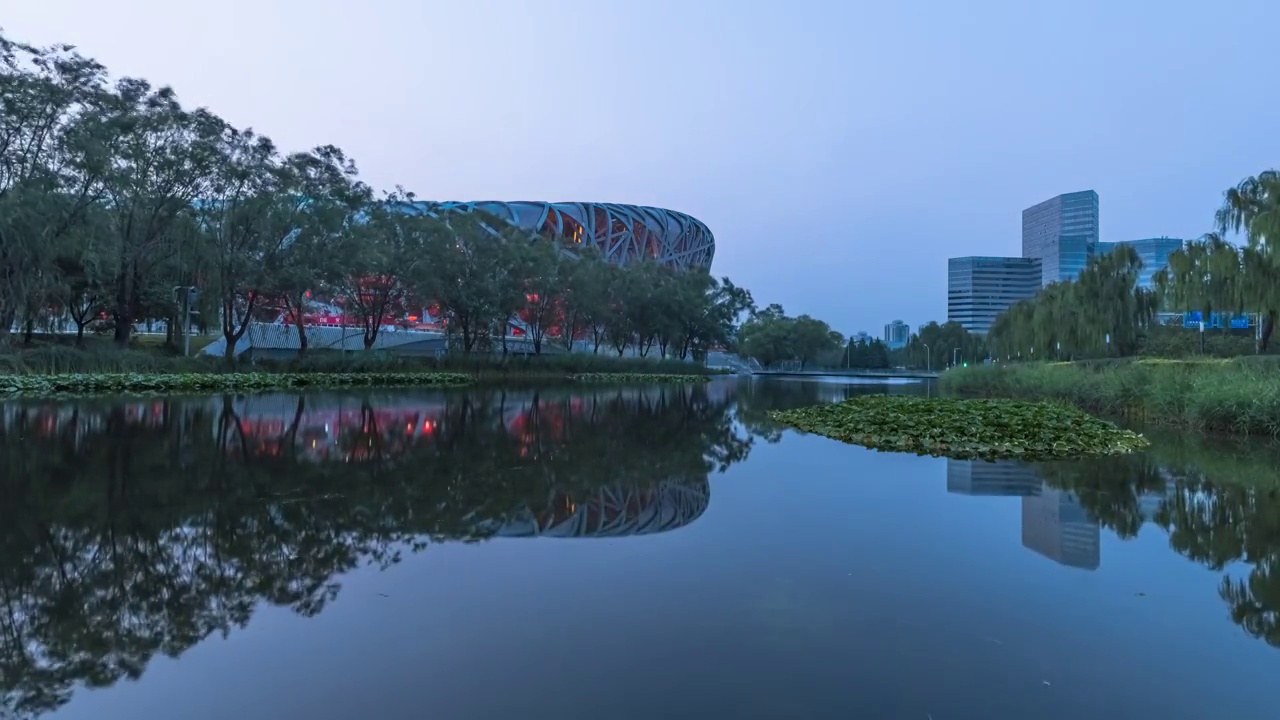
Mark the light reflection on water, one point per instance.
(378, 554)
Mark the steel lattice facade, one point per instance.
(622, 233)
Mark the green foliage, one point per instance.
(937, 346)
(1102, 313)
(113, 196)
(625, 378)
(871, 355)
(1178, 342)
(950, 427)
(138, 383)
(1240, 396)
(771, 337)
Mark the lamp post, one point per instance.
(954, 353)
(928, 358)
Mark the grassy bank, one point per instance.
(54, 369)
(104, 383)
(1239, 396)
(102, 357)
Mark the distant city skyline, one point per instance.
(1059, 239)
(802, 134)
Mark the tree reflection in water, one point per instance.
(137, 528)
(1219, 503)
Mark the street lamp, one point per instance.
(928, 358)
(954, 361)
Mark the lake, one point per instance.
(638, 552)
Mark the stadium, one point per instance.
(622, 233)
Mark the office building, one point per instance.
(980, 288)
(861, 337)
(897, 334)
(1154, 253)
(1061, 233)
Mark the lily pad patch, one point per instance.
(962, 428)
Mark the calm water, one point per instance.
(661, 552)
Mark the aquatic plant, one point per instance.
(958, 428)
(100, 383)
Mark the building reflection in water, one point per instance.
(1054, 523)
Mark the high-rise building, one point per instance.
(1062, 233)
(980, 288)
(1154, 253)
(861, 337)
(897, 334)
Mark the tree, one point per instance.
(937, 345)
(544, 271)
(161, 160)
(50, 161)
(617, 317)
(380, 257)
(85, 283)
(585, 297)
(770, 336)
(810, 338)
(311, 224)
(1102, 312)
(470, 276)
(237, 216)
(1214, 273)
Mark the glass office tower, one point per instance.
(980, 288)
(1154, 253)
(1061, 233)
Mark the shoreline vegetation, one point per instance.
(985, 429)
(138, 383)
(1239, 396)
(70, 371)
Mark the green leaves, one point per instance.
(770, 336)
(986, 429)
(214, 382)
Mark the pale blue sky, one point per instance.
(840, 151)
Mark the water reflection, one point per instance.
(137, 528)
(1219, 507)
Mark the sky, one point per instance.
(839, 151)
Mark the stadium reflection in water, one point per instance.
(132, 529)
(207, 508)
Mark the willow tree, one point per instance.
(1252, 208)
(1115, 309)
(1104, 311)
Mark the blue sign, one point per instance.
(1192, 320)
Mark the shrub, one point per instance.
(1231, 396)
